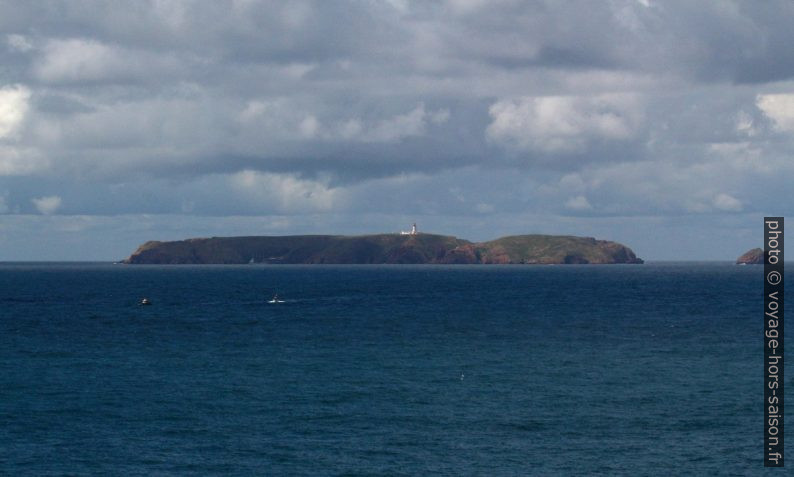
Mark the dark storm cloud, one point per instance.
(314, 85)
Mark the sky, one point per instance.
(666, 126)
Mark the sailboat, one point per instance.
(275, 300)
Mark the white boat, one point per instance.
(275, 300)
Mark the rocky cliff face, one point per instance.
(384, 248)
(752, 257)
(543, 249)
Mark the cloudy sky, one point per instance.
(668, 126)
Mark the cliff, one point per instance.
(752, 257)
(383, 248)
(545, 249)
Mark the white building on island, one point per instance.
(412, 232)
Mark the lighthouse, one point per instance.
(412, 232)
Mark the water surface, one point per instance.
(381, 370)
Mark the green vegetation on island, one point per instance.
(384, 249)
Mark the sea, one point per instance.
(653, 369)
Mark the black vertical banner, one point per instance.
(773, 341)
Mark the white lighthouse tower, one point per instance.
(412, 232)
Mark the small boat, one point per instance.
(275, 300)
(145, 301)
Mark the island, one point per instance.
(405, 248)
(751, 257)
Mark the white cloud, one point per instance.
(87, 60)
(13, 108)
(579, 202)
(19, 43)
(412, 123)
(278, 119)
(16, 161)
(252, 110)
(282, 119)
(286, 192)
(745, 124)
(563, 123)
(727, 203)
(296, 15)
(77, 60)
(572, 182)
(466, 6)
(439, 117)
(350, 129)
(309, 127)
(296, 70)
(47, 205)
(664, 187)
(400, 126)
(400, 5)
(171, 13)
(779, 108)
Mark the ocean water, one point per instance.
(381, 370)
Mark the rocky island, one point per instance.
(414, 248)
(751, 257)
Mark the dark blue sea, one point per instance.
(651, 369)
